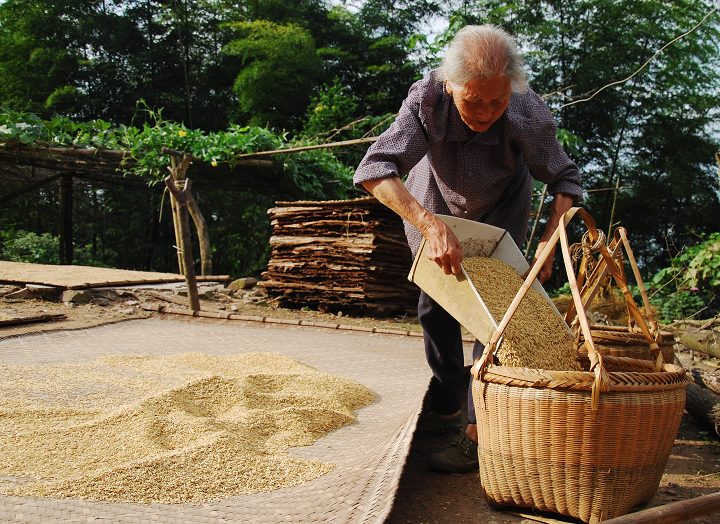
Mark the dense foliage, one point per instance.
(144, 145)
(652, 136)
(119, 226)
(206, 63)
(225, 77)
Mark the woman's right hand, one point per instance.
(443, 247)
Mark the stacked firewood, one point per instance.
(347, 255)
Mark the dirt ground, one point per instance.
(423, 497)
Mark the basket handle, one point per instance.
(590, 284)
(597, 366)
(632, 307)
(602, 379)
(608, 263)
(622, 233)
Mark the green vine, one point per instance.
(316, 174)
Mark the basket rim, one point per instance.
(672, 376)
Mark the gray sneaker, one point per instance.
(459, 457)
(434, 424)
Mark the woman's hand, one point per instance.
(443, 247)
(547, 267)
(561, 204)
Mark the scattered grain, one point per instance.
(536, 336)
(181, 428)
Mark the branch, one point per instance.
(334, 132)
(642, 66)
(343, 143)
(380, 123)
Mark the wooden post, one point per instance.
(181, 198)
(176, 220)
(178, 172)
(66, 224)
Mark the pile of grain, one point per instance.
(536, 337)
(181, 428)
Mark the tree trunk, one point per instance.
(203, 236)
(705, 341)
(704, 405)
(698, 335)
(178, 235)
(178, 172)
(180, 198)
(707, 379)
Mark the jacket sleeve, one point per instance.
(400, 147)
(534, 131)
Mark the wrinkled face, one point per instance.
(481, 101)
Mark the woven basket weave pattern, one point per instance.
(543, 448)
(593, 444)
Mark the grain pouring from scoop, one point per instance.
(536, 336)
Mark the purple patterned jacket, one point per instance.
(453, 170)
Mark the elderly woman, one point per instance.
(469, 137)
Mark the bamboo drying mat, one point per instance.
(369, 454)
(80, 277)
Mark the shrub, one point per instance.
(690, 286)
(26, 246)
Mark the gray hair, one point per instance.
(484, 51)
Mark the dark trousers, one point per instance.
(444, 353)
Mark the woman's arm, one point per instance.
(443, 246)
(561, 204)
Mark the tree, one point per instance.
(39, 53)
(279, 68)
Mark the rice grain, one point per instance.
(536, 336)
(181, 428)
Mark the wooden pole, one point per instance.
(344, 143)
(675, 512)
(178, 171)
(614, 203)
(181, 198)
(176, 221)
(66, 226)
(535, 222)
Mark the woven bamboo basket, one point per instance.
(623, 341)
(590, 444)
(617, 341)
